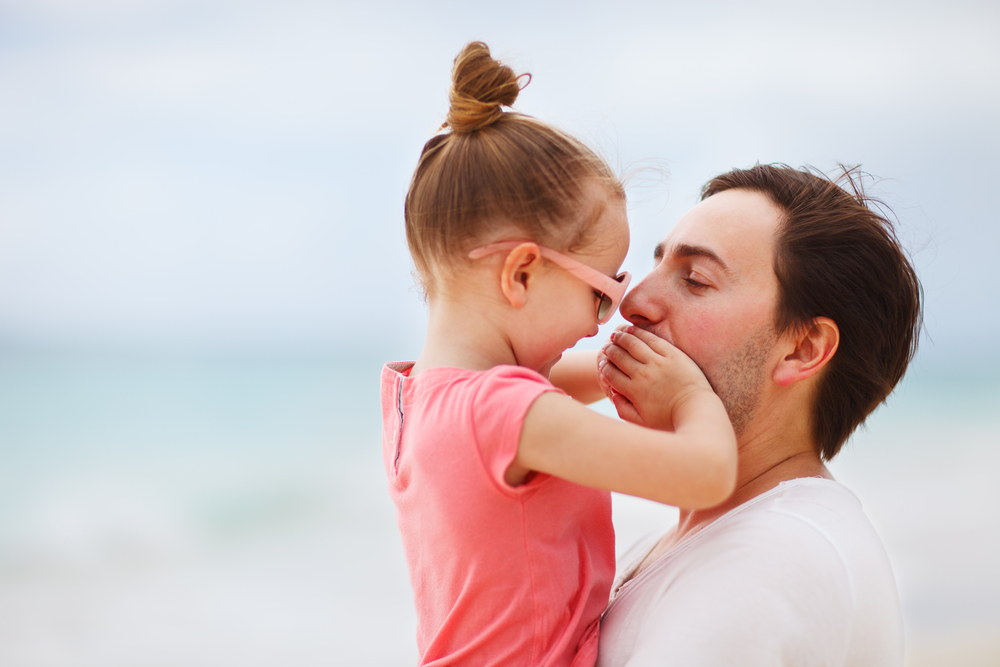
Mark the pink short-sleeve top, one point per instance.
(501, 575)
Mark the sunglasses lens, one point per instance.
(605, 307)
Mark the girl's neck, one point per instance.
(463, 333)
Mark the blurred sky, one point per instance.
(222, 174)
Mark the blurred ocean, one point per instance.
(231, 510)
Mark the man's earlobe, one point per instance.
(814, 346)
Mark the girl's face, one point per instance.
(564, 308)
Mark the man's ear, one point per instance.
(812, 348)
(518, 270)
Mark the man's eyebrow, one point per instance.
(686, 250)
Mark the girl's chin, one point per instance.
(547, 368)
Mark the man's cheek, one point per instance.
(699, 338)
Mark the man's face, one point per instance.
(713, 294)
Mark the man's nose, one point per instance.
(641, 306)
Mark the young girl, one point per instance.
(500, 478)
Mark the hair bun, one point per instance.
(480, 85)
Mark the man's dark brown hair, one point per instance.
(836, 256)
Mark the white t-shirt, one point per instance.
(796, 576)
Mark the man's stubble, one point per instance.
(740, 379)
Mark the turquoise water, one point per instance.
(228, 509)
(194, 510)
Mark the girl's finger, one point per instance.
(601, 380)
(622, 359)
(634, 345)
(620, 327)
(618, 380)
(625, 409)
(621, 384)
(665, 350)
(654, 342)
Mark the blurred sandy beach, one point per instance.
(163, 510)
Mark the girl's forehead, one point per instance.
(609, 235)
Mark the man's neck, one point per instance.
(761, 469)
(775, 447)
(763, 464)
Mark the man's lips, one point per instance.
(649, 329)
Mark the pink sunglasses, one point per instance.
(609, 290)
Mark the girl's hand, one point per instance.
(688, 458)
(602, 380)
(647, 378)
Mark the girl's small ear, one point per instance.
(812, 348)
(518, 270)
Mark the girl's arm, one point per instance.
(576, 374)
(694, 466)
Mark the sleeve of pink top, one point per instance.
(499, 408)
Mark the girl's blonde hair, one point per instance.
(496, 169)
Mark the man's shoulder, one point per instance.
(799, 529)
(807, 517)
(805, 540)
(796, 571)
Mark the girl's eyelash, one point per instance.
(694, 283)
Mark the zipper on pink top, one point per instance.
(399, 431)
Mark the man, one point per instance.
(795, 299)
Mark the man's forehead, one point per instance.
(734, 228)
